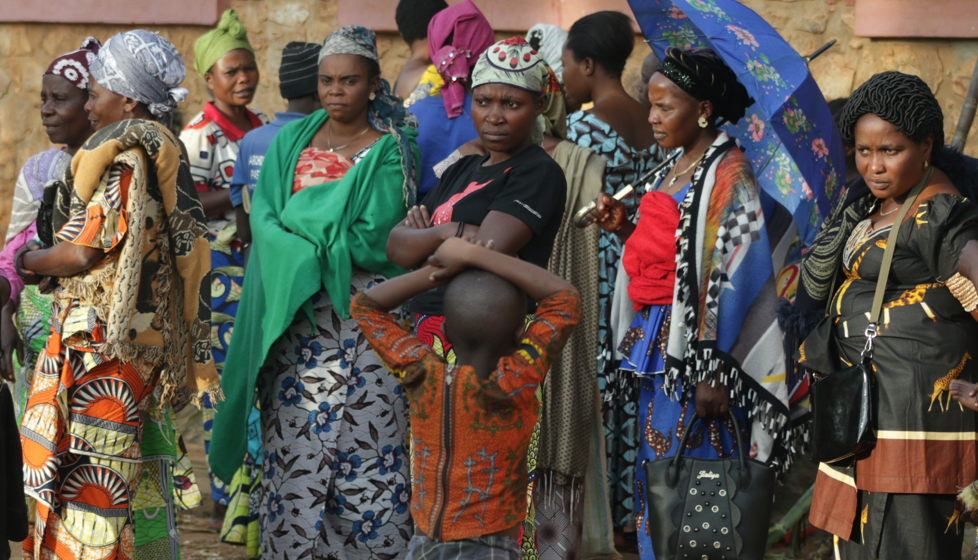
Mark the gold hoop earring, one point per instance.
(702, 122)
(372, 96)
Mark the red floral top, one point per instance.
(471, 435)
(317, 166)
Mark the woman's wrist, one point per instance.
(625, 230)
(19, 261)
(445, 231)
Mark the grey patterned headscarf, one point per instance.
(352, 39)
(142, 66)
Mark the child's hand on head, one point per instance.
(965, 393)
(451, 258)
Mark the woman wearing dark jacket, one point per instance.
(897, 501)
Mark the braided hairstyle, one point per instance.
(901, 99)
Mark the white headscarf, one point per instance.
(548, 40)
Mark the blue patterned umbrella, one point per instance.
(788, 134)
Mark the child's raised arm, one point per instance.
(455, 255)
(397, 291)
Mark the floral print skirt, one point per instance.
(335, 481)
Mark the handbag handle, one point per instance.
(874, 317)
(744, 473)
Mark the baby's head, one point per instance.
(484, 311)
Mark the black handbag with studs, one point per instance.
(701, 509)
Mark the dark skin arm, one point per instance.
(244, 224)
(10, 341)
(455, 255)
(508, 233)
(397, 291)
(215, 202)
(4, 291)
(64, 259)
(412, 241)
(968, 266)
(611, 216)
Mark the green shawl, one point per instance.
(303, 243)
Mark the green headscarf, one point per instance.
(230, 34)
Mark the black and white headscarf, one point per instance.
(143, 66)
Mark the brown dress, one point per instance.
(895, 501)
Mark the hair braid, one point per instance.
(902, 99)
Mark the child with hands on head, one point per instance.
(471, 421)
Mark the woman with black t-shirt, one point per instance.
(514, 195)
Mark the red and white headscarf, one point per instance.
(74, 66)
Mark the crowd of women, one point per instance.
(149, 266)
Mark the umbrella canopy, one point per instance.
(788, 133)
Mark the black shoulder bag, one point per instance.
(845, 403)
(709, 509)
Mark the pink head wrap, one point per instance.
(74, 66)
(470, 35)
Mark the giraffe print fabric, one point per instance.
(926, 446)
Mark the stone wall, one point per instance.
(27, 49)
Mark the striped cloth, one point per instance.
(298, 76)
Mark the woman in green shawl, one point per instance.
(333, 420)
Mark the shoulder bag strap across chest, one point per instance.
(891, 241)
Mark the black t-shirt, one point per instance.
(529, 186)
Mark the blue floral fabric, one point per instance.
(334, 421)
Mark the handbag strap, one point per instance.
(891, 240)
(744, 472)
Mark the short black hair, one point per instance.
(604, 37)
(483, 310)
(412, 17)
(901, 99)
